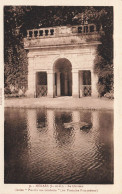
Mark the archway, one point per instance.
(63, 77)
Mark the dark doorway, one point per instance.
(41, 84)
(63, 82)
(85, 83)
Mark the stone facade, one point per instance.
(66, 55)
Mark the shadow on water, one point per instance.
(54, 146)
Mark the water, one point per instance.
(39, 149)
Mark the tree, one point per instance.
(104, 59)
(15, 58)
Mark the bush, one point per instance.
(7, 90)
(109, 95)
(101, 89)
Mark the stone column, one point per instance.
(58, 84)
(50, 83)
(66, 86)
(75, 83)
(81, 83)
(27, 33)
(33, 34)
(31, 78)
(94, 81)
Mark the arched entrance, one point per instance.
(63, 77)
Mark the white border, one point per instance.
(116, 188)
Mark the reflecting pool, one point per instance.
(47, 146)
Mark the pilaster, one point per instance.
(81, 83)
(50, 83)
(75, 83)
(94, 81)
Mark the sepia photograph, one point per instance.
(58, 94)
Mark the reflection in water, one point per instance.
(63, 136)
(40, 149)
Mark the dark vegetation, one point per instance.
(17, 19)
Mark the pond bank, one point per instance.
(61, 102)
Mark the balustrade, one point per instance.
(51, 32)
(37, 33)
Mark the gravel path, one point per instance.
(61, 102)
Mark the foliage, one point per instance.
(104, 59)
(22, 18)
(15, 57)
